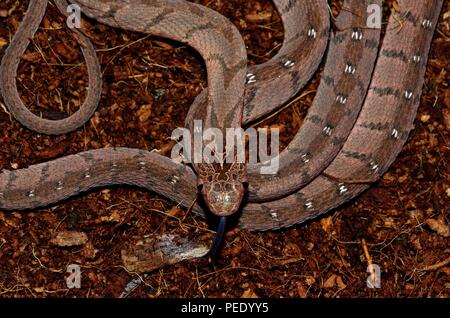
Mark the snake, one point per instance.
(361, 116)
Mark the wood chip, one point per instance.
(330, 282)
(309, 280)
(334, 280)
(425, 118)
(439, 226)
(249, 294)
(157, 250)
(3, 42)
(258, 17)
(446, 115)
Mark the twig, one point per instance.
(2, 106)
(284, 107)
(37, 258)
(198, 283)
(366, 252)
(436, 266)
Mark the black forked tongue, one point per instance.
(215, 247)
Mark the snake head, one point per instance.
(222, 186)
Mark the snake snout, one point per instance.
(224, 200)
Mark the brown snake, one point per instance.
(361, 116)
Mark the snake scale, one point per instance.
(360, 118)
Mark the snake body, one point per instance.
(360, 118)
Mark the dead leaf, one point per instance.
(174, 211)
(446, 115)
(164, 45)
(54, 151)
(156, 251)
(446, 110)
(326, 223)
(396, 6)
(89, 251)
(115, 216)
(144, 112)
(310, 280)
(166, 148)
(446, 271)
(31, 57)
(330, 282)
(340, 283)
(236, 249)
(301, 291)
(69, 238)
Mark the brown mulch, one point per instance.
(401, 223)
